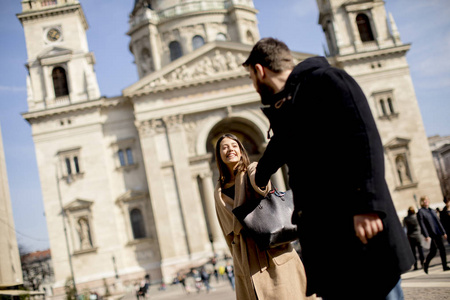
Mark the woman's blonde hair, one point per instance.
(224, 173)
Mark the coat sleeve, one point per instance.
(272, 159)
(364, 152)
(260, 189)
(423, 227)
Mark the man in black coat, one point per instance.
(432, 229)
(353, 245)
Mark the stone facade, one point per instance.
(10, 270)
(363, 40)
(440, 147)
(132, 177)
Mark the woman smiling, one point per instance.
(276, 273)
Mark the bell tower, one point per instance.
(357, 26)
(60, 66)
(162, 31)
(364, 40)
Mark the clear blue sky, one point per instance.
(425, 24)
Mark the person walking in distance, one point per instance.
(433, 230)
(445, 217)
(413, 233)
(323, 129)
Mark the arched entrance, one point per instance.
(250, 136)
(253, 140)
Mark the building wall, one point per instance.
(10, 270)
(170, 120)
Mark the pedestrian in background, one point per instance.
(323, 129)
(445, 217)
(205, 279)
(229, 270)
(276, 273)
(413, 232)
(432, 229)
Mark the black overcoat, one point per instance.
(428, 220)
(323, 129)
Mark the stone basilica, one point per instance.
(128, 181)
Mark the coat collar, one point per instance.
(304, 68)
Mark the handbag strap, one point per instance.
(250, 192)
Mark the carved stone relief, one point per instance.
(216, 64)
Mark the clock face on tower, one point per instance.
(53, 34)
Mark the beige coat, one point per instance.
(277, 273)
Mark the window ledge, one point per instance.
(406, 186)
(389, 117)
(127, 168)
(140, 241)
(72, 177)
(84, 251)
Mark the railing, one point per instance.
(48, 2)
(59, 101)
(368, 46)
(186, 8)
(38, 4)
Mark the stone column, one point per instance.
(48, 93)
(208, 192)
(191, 208)
(166, 240)
(156, 57)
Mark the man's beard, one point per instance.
(265, 91)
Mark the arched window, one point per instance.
(137, 223)
(175, 50)
(383, 107)
(60, 82)
(364, 28)
(197, 42)
(250, 37)
(221, 37)
(121, 158)
(146, 61)
(391, 106)
(129, 156)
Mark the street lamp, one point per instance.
(65, 232)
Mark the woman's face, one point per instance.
(230, 153)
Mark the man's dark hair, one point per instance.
(272, 54)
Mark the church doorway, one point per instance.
(250, 136)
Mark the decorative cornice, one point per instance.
(31, 116)
(53, 11)
(80, 106)
(78, 204)
(397, 143)
(214, 62)
(370, 54)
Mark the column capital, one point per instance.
(205, 174)
(173, 122)
(149, 127)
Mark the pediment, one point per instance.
(78, 204)
(213, 62)
(55, 51)
(130, 195)
(397, 143)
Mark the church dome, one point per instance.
(162, 31)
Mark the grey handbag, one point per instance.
(268, 220)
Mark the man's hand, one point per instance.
(367, 226)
